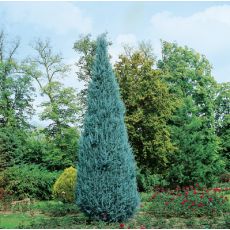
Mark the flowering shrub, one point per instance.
(189, 201)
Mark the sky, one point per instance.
(203, 26)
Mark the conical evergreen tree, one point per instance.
(106, 181)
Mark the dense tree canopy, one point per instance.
(149, 106)
(222, 119)
(189, 76)
(15, 87)
(15, 103)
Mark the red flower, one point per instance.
(210, 199)
(122, 225)
(142, 227)
(200, 205)
(182, 202)
(202, 196)
(186, 193)
(179, 194)
(194, 192)
(193, 204)
(197, 185)
(217, 189)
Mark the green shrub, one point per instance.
(28, 181)
(64, 187)
(147, 181)
(12, 146)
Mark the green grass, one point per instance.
(15, 220)
(81, 222)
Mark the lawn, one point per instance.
(186, 208)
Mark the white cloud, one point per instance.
(60, 17)
(207, 31)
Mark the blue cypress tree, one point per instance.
(106, 181)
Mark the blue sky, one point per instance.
(204, 26)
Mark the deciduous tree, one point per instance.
(149, 106)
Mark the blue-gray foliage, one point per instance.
(106, 181)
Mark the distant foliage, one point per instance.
(32, 181)
(189, 76)
(65, 185)
(147, 181)
(16, 91)
(12, 146)
(56, 154)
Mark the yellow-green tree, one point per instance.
(149, 106)
(64, 187)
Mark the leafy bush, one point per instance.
(28, 181)
(51, 153)
(147, 181)
(11, 146)
(64, 187)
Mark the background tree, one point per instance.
(15, 103)
(149, 106)
(15, 87)
(61, 106)
(189, 75)
(85, 47)
(106, 180)
(195, 160)
(222, 118)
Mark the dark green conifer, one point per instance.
(106, 181)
